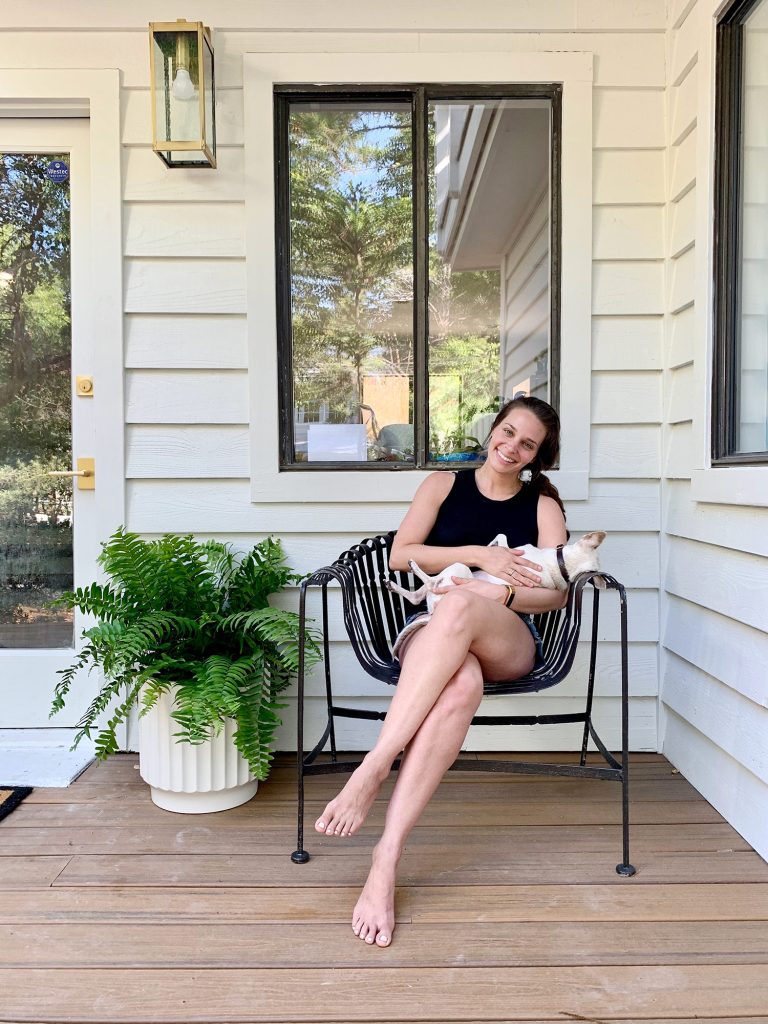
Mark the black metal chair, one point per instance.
(373, 616)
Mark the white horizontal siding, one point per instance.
(628, 233)
(186, 396)
(185, 286)
(197, 505)
(628, 119)
(714, 690)
(187, 341)
(730, 787)
(627, 343)
(726, 650)
(628, 176)
(352, 735)
(205, 229)
(621, 397)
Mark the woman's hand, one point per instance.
(492, 591)
(509, 564)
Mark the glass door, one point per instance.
(46, 410)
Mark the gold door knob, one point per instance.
(85, 474)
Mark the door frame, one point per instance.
(93, 94)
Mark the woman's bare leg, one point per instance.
(430, 753)
(462, 623)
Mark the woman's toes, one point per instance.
(382, 939)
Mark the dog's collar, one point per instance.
(561, 562)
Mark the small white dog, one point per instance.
(558, 567)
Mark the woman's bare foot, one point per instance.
(344, 815)
(373, 919)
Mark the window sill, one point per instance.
(731, 485)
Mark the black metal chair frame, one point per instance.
(373, 616)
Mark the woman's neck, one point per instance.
(494, 485)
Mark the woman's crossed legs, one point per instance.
(469, 638)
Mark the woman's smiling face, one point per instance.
(516, 440)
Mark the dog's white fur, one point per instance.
(581, 556)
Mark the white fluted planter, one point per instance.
(191, 778)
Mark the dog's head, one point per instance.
(581, 556)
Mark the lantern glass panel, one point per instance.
(209, 122)
(177, 97)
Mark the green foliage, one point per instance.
(177, 612)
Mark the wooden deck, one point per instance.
(509, 908)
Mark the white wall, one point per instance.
(714, 610)
(186, 354)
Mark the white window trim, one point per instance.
(722, 485)
(261, 72)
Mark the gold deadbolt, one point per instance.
(85, 474)
(84, 387)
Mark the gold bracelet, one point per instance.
(510, 596)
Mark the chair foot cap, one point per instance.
(626, 869)
(299, 856)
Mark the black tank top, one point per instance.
(467, 517)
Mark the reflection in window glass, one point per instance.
(351, 281)
(489, 265)
(35, 405)
(752, 354)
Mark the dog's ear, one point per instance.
(599, 583)
(499, 541)
(593, 540)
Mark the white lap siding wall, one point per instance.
(186, 357)
(714, 690)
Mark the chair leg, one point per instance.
(625, 868)
(591, 683)
(300, 855)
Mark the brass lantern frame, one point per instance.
(183, 29)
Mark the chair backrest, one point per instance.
(373, 617)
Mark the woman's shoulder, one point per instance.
(550, 520)
(436, 486)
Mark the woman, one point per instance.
(473, 635)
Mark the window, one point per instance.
(740, 378)
(417, 241)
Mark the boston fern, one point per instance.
(192, 617)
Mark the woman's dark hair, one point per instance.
(549, 449)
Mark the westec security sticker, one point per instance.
(57, 171)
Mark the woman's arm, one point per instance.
(552, 531)
(414, 530)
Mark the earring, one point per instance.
(525, 476)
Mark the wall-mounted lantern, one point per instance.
(183, 100)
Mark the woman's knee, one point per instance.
(464, 690)
(455, 612)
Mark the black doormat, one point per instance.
(11, 797)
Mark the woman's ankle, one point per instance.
(386, 854)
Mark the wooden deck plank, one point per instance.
(502, 842)
(409, 994)
(694, 901)
(482, 813)
(324, 787)
(452, 866)
(16, 871)
(691, 902)
(420, 944)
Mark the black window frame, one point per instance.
(728, 191)
(419, 96)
